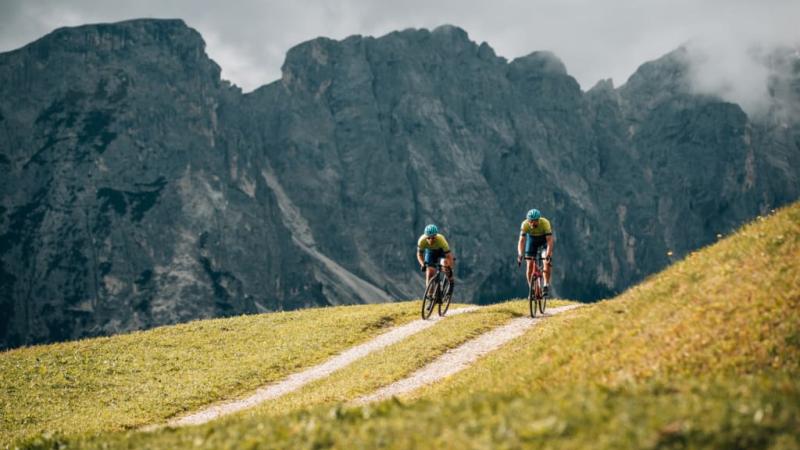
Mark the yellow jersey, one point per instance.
(541, 229)
(439, 243)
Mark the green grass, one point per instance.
(131, 380)
(396, 361)
(703, 355)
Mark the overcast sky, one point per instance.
(595, 39)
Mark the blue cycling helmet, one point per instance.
(534, 214)
(431, 230)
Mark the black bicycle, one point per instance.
(436, 294)
(536, 297)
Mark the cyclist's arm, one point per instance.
(521, 244)
(419, 257)
(550, 242)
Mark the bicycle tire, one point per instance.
(532, 298)
(444, 304)
(538, 294)
(543, 303)
(429, 298)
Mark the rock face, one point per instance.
(139, 189)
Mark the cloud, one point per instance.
(736, 61)
(733, 74)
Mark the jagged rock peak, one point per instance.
(453, 39)
(669, 71)
(603, 86)
(170, 33)
(317, 49)
(167, 47)
(451, 32)
(449, 36)
(308, 63)
(541, 61)
(485, 51)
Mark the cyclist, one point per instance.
(432, 247)
(536, 232)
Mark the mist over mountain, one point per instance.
(140, 189)
(754, 75)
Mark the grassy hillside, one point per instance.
(703, 355)
(208, 362)
(131, 380)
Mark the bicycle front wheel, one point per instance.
(532, 297)
(538, 294)
(429, 299)
(445, 303)
(543, 302)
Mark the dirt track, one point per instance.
(451, 362)
(459, 358)
(300, 379)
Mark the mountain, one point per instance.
(141, 189)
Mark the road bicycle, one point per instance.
(536, 297)
(436, 293)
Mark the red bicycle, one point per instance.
(536, 297)
(436, 293)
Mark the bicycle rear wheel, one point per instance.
(445, 303)
(429, 299)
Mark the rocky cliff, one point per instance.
(140, 189)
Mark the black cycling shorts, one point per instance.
(533, 244)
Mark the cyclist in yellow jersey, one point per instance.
(536, 232)
(432, 248)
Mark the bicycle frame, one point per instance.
(538, 268)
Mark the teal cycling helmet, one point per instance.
(534, 214)
(431, 230)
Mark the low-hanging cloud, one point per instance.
(745, 69)
(745, 57)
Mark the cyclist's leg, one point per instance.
(541, 250)
(530, 255)
(548, 266)
(448, 263)
(531, 270)
(431, 259)
(430, 272)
